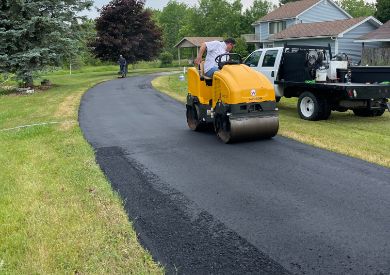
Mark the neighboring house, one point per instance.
(340, 34)
(193, 44)
(312, 22)
(380, 37)
(376, 46)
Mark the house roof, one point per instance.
(289, 10)
(319, 29)
(188, 42)
(380, 34)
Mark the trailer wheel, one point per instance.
(311, 107)
(368, 112)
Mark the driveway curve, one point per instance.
(266, 207)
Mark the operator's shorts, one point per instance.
(211, 72)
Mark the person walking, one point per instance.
(122, 66)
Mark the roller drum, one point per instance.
(248, 128)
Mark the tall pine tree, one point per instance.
(36, 34)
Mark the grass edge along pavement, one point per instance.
(58, 212)
(366, 138)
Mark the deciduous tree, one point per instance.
(357, 8)
(258, 9)
(126, 27)
(171, 19)
(383, 10)
(216, 18)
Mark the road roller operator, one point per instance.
(238, 102)
(214, 49)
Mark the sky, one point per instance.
(158, 4)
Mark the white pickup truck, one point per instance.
(322, 84)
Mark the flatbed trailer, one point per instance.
(363, 99)
(290, 70)
(351, 91)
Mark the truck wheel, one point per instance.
(311, 107)
(368, 112)
(326, 109)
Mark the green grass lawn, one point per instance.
(364, 138)
(58, 213)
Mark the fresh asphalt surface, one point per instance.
(266, 207)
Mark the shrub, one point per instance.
(166, 59)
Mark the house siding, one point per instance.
(264, 35)
(290, 22)
(324, 11)
(351, 48)
(264, 31)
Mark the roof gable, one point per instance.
(295, 9)
(289, 10)
(319, 29)
(196, 41)
(380, 34)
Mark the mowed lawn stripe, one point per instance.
(58, 213)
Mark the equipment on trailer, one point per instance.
(321, 83)
(237, 101)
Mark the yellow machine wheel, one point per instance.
(245, 128)
(193, 121)
(222, 128)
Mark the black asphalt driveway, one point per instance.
(266, 207)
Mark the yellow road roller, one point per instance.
(238, 102)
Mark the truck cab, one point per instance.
(267, 61)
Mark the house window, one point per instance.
(275, 27)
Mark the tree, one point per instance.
(383, 10)
(241, 47)
(171, 19)
(217, 18)
(258, 9)
(36, 34)
(125, 27)
(357, 8)
(85, 33)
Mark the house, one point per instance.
(376, 46)
(312, 22)
(193, 44)
(380, 36)
(340, 34)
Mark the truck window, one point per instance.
(253, 59)
(269, 58)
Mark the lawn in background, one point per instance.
(367, 138)
(58, 213)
